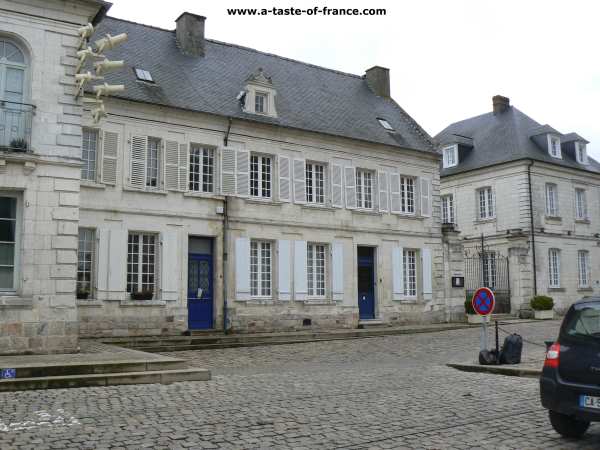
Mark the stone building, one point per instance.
(533, 193)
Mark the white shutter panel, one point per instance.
(383, 191)
(228, 171)
(427, 273)
(395, 199)
(117, 260)
(284, 179)
(110, 148)
(242, 269)
(242, 172)
(171, 165)
(337, 271)
(183, 167)
(397, 273)
(425, 197)
(299, 181)
(300, 272)
(337, 196)
(284, 253)
(169, 281)
(102, 271)
(137, 161)
(350, 182)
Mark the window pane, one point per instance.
(7, 254)
(6, 277)
(7, 230)
(8, 208)
(88, 154)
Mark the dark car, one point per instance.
(570, 381)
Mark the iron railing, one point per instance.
(15, 126)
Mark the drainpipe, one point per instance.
(225, 240)
(531, 225)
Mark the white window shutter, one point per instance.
(284, 264)
(242, 172)
(337, 195)
(117, 260)
(169, 280)
(425, 197)
(183, 167)
(284, 179)
(242, 269)
(395, 199)
(427, 273)
(103, 236)
(350, 183)
(110, 149)
(137, 161)
(228, 171)
(171, 165)
(397, 273)
(299, 181)
(300, 272)
(383, 191)
(337, 271)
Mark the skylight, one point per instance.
(385, 124)
(143, 75)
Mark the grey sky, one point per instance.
(447, 58)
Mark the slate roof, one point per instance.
(503, 138)
(308, 97)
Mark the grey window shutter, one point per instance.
(103, 236)
(382, 181)
(284, 255)
(350, 183)
(300, 272)
(242, 269)
(284, 179)
(395, 199)
(169, 280)
(117, 260)
(183, 167)
(110, 149)
(337, 271)
(397, 273)
(337, 196)
(242, 172)
(137, 161)
(172, 165)
(425, 197)
(228, 178)
(427, 273)
(299, 181)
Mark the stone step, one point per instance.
(372, 323)
(104, 379)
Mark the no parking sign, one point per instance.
(483, 301)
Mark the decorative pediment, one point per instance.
(258, 96)
(260, 78)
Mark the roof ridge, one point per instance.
(418, 129)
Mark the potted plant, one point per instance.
(542, 306)
(142, 295)
(83, 294)
(472, 316)
(19, 145)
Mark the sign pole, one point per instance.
(484, 341)
(483, 303)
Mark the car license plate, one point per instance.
(587, 401)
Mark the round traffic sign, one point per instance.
(483, 301)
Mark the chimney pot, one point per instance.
(190, 33)
(378, 80)
(500, 103)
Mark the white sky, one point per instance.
(446, 58)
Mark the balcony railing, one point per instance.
(15, 126)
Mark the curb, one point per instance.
(498, 370)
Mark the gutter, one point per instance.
(531, 225)
(225, 254)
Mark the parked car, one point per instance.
(570, 381)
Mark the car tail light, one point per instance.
(552, 356)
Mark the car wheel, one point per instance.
(568, 426)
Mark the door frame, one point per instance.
(375, 283)
(212, 260)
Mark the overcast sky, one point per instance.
(447, 58)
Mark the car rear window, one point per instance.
(584, 321)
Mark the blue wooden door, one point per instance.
(200, 291)
(366, 283)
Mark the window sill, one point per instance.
(482, 221)
(583, 221)
(9, 300)
(409, 216)
(318, 301)
(556, 219)
(90, 302)
(257, 301)
(407, 300)
(92, 184)
(125, 303)
(556, 289)
(263, 201)
(585, 289)
(195, 194)
(319, 207)
(145, 191)
(367, 212)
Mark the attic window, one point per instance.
(554, 146)
(143, 75)
(385, 124)
(450, 155)
(261, 102)
(580, 152)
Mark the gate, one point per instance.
(488, 268)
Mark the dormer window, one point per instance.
(554, 146)
(258, 96)
(261, 101)
(450, 155)
(581, 152)
(143, 75)
(385, 124)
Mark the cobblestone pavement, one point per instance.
(378, 393)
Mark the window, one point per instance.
(8, 242)
(316, 270)
(364, 189)
(260, 102)
(385, 124)
(554, 146)
(260, 176)
(410, 273)
(143, 75)
(486, 203)
(580, 152)
(489, 269)
(315, 183)
(153, 162)
(580, 204)
(551, 200)
(448, 208)
(554, 267)
(202, 169)
(450, 156)
(407, 195)
(260, 268)
(583, 265)
(141, 263)
(85, 261)
(14, 120)
(89, 154)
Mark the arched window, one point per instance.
(12, 72)
(15, 113)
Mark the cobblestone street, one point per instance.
(375, 393)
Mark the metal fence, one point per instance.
(489, 269)
(15, 126)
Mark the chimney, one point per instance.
(378, 80)
(190, 33)
(501, 104)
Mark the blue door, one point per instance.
(200, 291)
(366, 283)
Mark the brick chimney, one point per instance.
(501, 104)
(378, 80)
(190, 33)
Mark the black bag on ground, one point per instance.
(511, 350)
(488, 357)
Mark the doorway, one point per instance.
(200, 283)
(366, 282)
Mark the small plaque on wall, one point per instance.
(458, 281)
